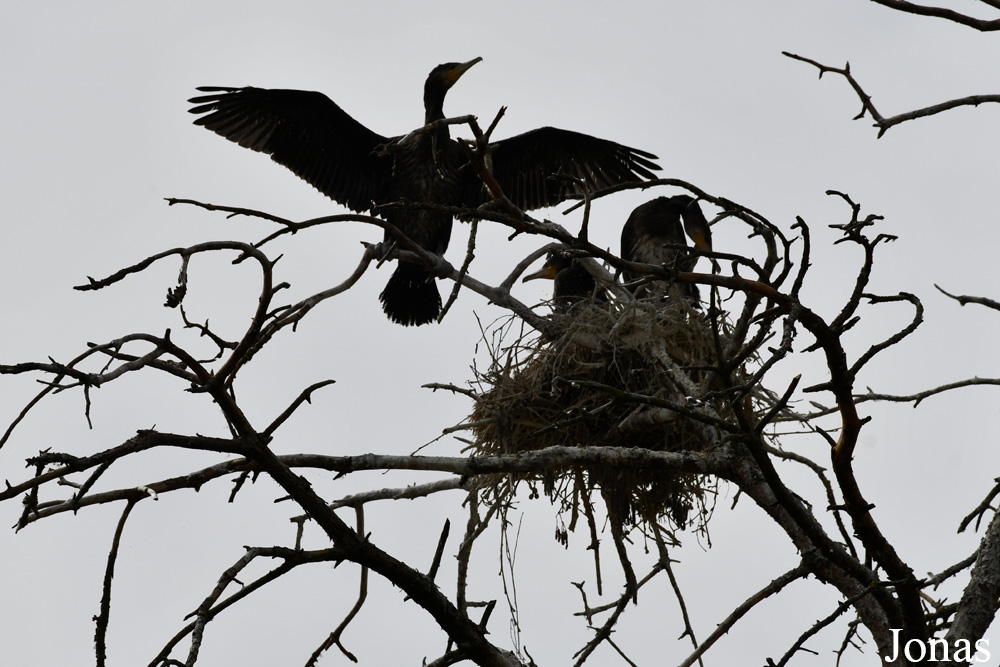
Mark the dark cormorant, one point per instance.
(573, 283)
(656, 224)
(343, 159)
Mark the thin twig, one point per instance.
(726, 625)
(101, 620)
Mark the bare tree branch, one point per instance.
(983, 25)
(978, 606)
(962, 300)
(772, 588)
(868, 107)
(722, 397)
(335, 636)
(101, 620)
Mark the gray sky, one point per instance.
(95, 134)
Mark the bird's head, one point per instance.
(442, 78)
(695, 224)
(573, 282)
(554, 263)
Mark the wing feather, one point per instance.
(306, 132)
(523, 165)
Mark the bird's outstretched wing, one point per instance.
(523, 165)
(306, 132)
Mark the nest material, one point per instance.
(583, 389)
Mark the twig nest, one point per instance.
(624, 373)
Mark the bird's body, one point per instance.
(652, 234)
(321, 143)
(426, 169)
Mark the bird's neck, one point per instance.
(433, 107)
(440, 135)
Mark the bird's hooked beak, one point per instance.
(548, 271)
(456, 72)
(700, 242)
(697, 227)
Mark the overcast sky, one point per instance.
(95, 134)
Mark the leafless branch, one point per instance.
(978, 606)
(405, 493)
(918, 397)
(304, 397)
(980, 511)
(772, 588)
(937, 579)
(868, 107)
(335, 636)
(101, 620)
(962, 300)
(983, 25)
(736, 448)
(819, 625)
(212, 606)
(661, 548)
(617, 608)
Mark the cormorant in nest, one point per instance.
(321, 143)
(573, 283)
(653, 233)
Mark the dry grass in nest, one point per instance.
(575, 391)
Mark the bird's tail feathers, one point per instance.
(411, 296)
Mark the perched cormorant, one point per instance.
(308, 133)
(657, 224)
(573, 283)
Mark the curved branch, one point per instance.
(983, 25)
(918, 318)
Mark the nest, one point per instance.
(587, 388)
